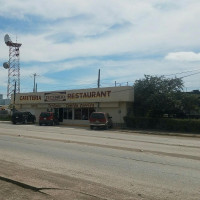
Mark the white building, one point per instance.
(75, 106)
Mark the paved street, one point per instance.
(63, 162)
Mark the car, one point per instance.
(23, 117)
(48, 118)
(100, 120)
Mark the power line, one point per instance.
(189, 75)
(182, 72)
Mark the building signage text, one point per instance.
(30, 98)
(80, 105)
(57, 96)
(84, 95)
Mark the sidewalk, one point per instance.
(154, 132)
(130, 131)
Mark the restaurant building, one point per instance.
(74, 107)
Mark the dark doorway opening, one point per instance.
(60, 115)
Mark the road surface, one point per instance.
(77, 163)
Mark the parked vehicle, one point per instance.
(23, 117)
(48, 118)
(101, 120)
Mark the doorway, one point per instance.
(59, 113)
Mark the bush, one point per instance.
(5, 118)
(167, 124)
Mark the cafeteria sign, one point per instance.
(55, 96)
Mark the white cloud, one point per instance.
(121, 71)
(55, 9)
(183, 56)
(51, 68)
(97, 28)
(130, 70)
(151, 27)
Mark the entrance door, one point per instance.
(60, 115)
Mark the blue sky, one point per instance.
(65, 42)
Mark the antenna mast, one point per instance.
(13, 66)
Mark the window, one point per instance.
(67, 113)
(45, 114)
(83, 113)
(91, 110)
(98, 115)
(77, 114)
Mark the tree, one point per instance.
(190, 103)
(155, 96)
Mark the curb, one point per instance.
(129, 131)
(197, 135)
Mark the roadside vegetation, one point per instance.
(7, 118)
(161, 104)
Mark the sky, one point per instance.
(66, 42)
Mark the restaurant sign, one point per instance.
(80, 105)
(85, 95)
(72, 105)
(55, 96)
(30, 98)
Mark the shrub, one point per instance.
(167, 124)
(5, 118)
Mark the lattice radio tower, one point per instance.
(13, 66)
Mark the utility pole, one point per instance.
(34, 86)
(98, 81)
(14, 98)
(98, 85)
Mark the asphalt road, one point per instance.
(79, 163)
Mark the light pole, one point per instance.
(34, 85)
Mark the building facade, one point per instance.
(75, 106)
